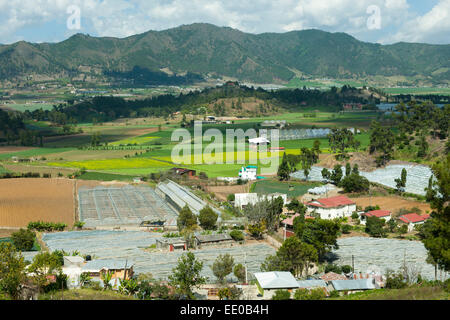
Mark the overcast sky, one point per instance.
(383, 21)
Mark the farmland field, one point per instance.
(292, 189)
(25, 200)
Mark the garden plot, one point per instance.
(129, 245)
(102, 206)
(416, 182)
(379, 255)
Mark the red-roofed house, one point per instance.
(331, 208)
(413, 219)
(383, 214)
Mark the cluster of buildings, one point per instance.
(269, 282)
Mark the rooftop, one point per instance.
(306, 284)
(276, 280)
(359, 284)
(378, 213)
(213, 237)
(330, 276)
(413, 218)
(110, 264)
(332, 202)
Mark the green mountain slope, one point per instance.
(207, 49)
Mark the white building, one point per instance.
(244, 199)
(248, 173)
(382, 214)
(413, 219)
(331, 208)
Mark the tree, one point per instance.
(326, 174)
(382, 141)
(316, 150)
(356, 169)
(294, 256)
(401, 183)
(12, 270)
(95, 139)
(375, 227)
(186, 275)
(257, 230)
(297, 207)
(23, 240)
(355, 183)
(207, 218)
(45, 264)
(346, 228)
(283, 170)
(336, 175)
(392, 225)
(437, 241)
(340, 140)
(186, 219)
(348, 169)
(222, 267)
(281, 295)
(402, 230)
(239, 273)
(321, 234)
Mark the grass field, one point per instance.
(292, 189)
(102, 176)
(30, 107)
(440, 91)
(85, 294)
(33, 152)
(25, 200)
(412, 293)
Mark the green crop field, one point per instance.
(292, 189)
(30, 107)
(102, 176)
(33, 153)
(440, 91)
(110, 164)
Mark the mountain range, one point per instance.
(211, 51)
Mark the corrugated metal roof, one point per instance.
(311, 284)
(359, 284)
(276, 280)
(111, 264)
(214, 237)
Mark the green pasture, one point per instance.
(33, 153)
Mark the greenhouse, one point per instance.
(129, 205)
(130, 245)
(416, 181)
(298, 134)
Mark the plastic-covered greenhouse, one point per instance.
(298, 134)
(129, 205)
(130, 245)
(416, 181)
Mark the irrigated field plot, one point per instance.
(25, 200)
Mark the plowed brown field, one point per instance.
(25, 200)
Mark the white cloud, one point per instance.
(120, 18)
(432, 27)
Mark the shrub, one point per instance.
(346, 228)
(333, 268)
(305, 294)
(237, 235)
(346, 269)
(355, 215)
(46, 226)
(281, 295)
(23, 240)
(79, 224)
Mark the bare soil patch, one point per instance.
(222, 192)
(392, 203)
(9, 149)
(25, 200)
